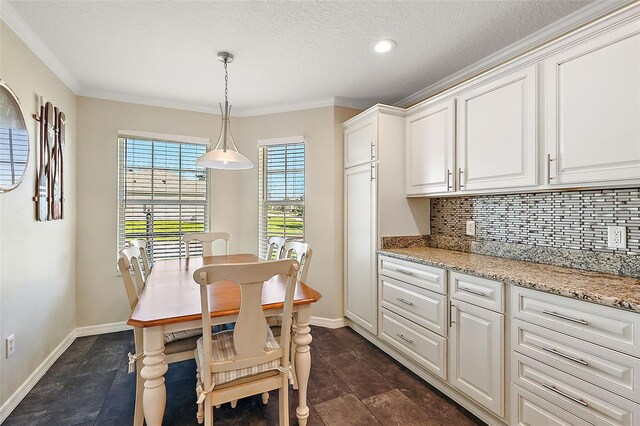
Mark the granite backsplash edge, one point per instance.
(608, 263)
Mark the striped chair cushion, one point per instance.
(182, 334)
(222, 350)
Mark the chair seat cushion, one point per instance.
(222, 349)
(182, 334)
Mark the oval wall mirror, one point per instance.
(14, 140)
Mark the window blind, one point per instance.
(281, 193)
(161, 195)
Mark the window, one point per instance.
(281, 181)
(161, 194)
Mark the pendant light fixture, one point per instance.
(226, 155)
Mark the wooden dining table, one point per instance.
(170, 301)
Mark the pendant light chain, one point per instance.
(226, 82)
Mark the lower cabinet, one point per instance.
(528, 409)
(476, 354)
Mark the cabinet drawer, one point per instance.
(602, 325)
(587, 401)
(477, 291)
(609, 369)
(528, 409)
(419, 275)
(423, 307)
(424, 347)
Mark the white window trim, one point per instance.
(132, 134)
(281, 141)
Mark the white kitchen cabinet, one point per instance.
(361, 296)
(430, 150)
(592, 110)
(497, 133)
(476, 354)
(360, 142)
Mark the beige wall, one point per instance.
(234, 194)
(37, 265)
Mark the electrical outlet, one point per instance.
(471, 228)
(11, 345)
(617, 236)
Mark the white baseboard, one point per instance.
(31, 381)
(328, 322)
(92, 330)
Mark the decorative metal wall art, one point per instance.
(49, 196)
(14, 140)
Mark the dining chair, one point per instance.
(247, 360)
(141, 245)
(275, 248)
(207, 239)
(301, 252)
(179, 346)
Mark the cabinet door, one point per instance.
(429, 149)
(497, 133)
(360, 246)
(476, 355)
(592, 109)
(360, 142)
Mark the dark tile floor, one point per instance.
(352, 383)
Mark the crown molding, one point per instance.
(551, 31)
(147, 101)
(18, 25)
(300, 106)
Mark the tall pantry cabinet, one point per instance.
(374, 205)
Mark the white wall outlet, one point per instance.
(617, 236)
(11, 345)
(471, 228)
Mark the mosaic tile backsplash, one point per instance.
(566, 228)
(567, 220)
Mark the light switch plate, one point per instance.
(616, 236)
(471, 228)
(11, 345)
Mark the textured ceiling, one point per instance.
(286, 52)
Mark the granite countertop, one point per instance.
(605, 289)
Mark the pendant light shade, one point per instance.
(226, 155)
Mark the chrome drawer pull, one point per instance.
(569, 357)
(566, 395)
(468, 290)
(555, 314)
(406, 302)
(404, 338)
(404, 272)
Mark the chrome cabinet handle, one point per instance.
(549, 160)
(406, 339)
(555, 314)
(469, 290)
(449, 185)
(404, 272)
(566, 395)
(460, 172)
(451, 321)
(406, 302)
(569, 357)
(372, 153)
(372, 172)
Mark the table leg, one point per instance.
(155, 392)
(302, 340)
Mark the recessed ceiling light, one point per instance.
(384, 46)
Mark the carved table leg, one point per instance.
(302, 340)
(155, 393)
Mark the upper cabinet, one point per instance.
(429, 149)
(565, 115)
(592, 97)
(497, 133)
(360, 142)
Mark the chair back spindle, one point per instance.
(207, 239)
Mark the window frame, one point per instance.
(263, 203)
(121, 187)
